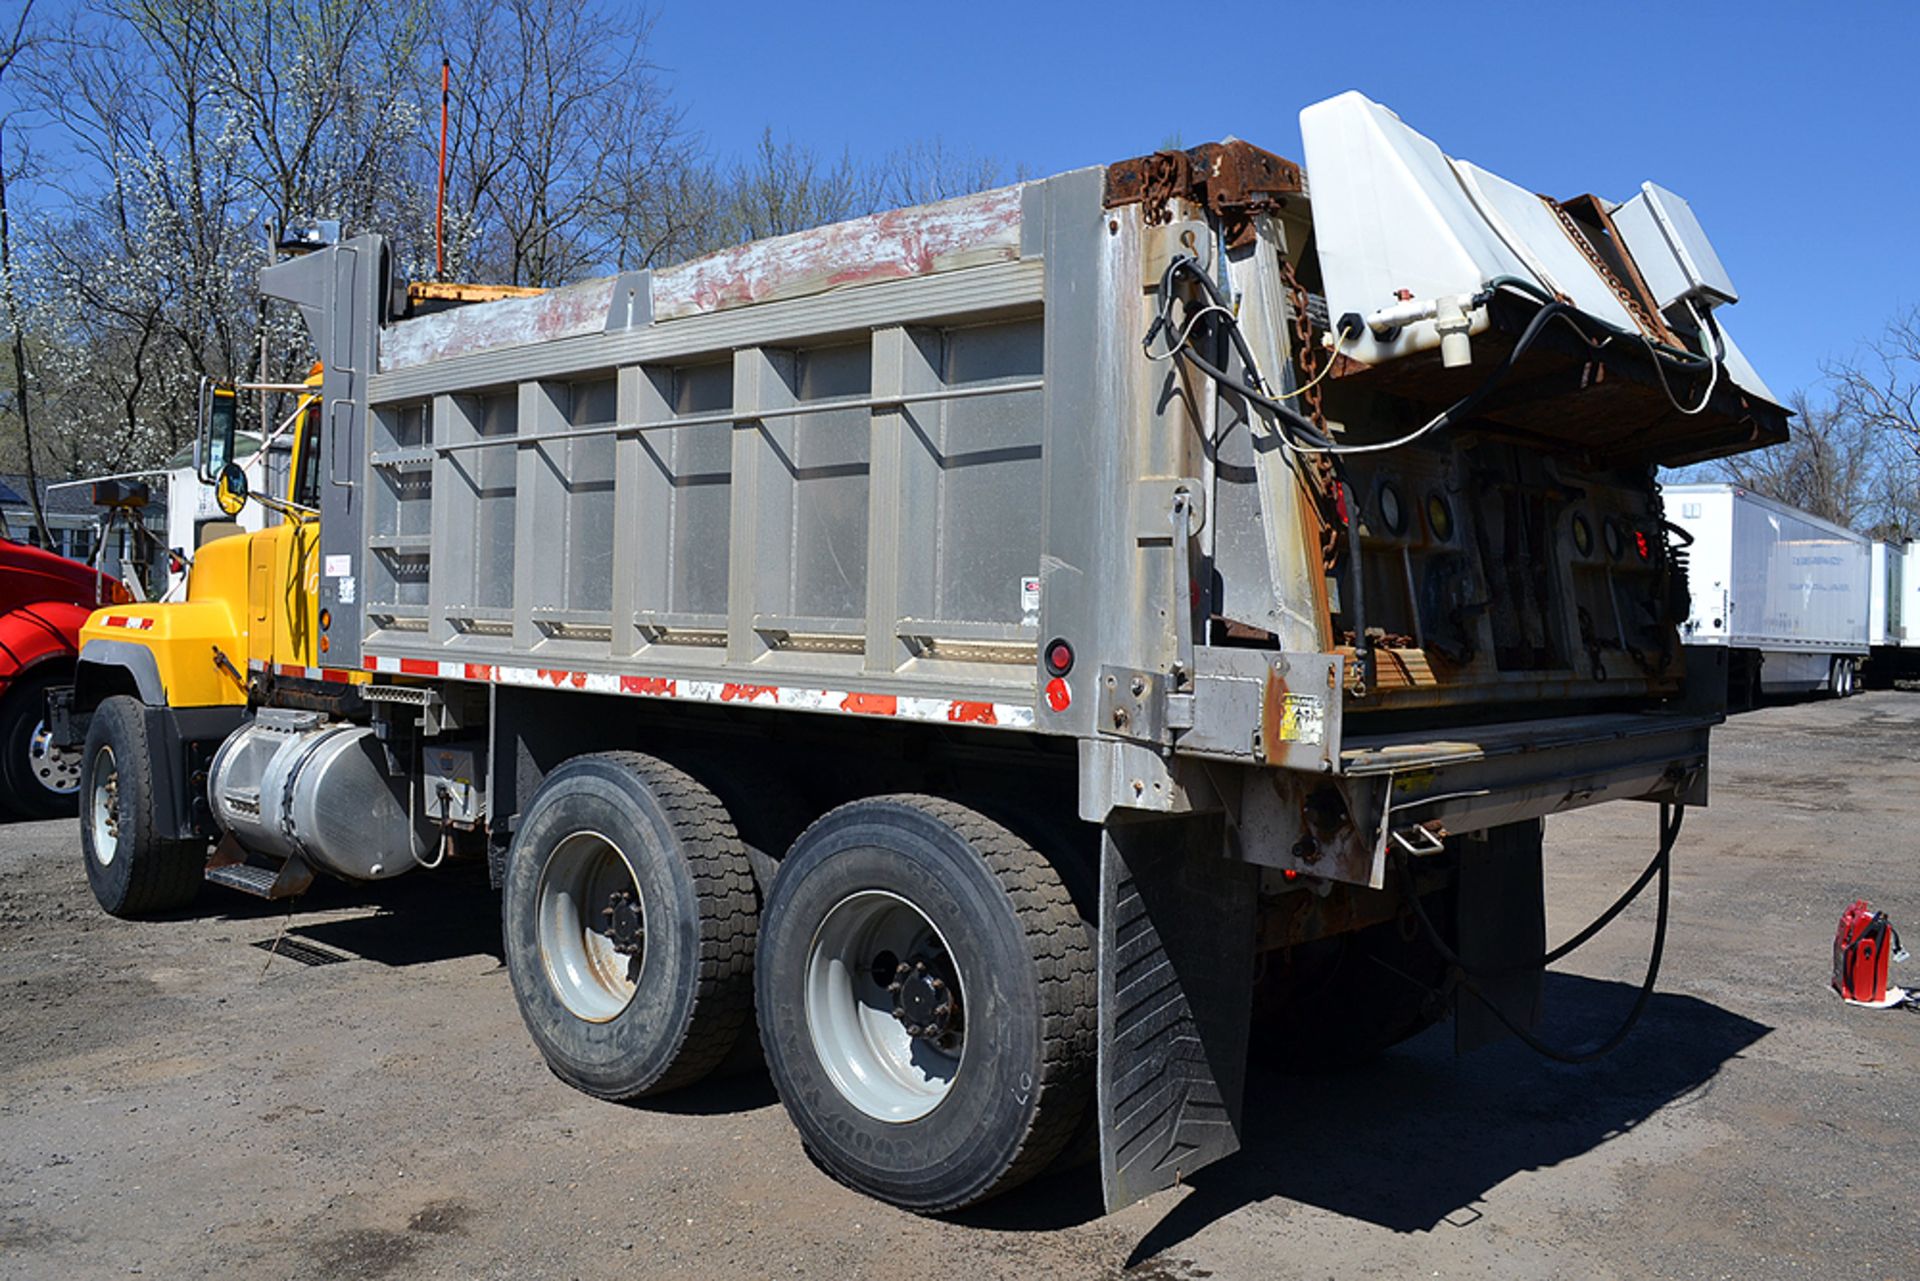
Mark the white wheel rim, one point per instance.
(868, 1053)
(56, 768)
(593, 979)
(103, 807)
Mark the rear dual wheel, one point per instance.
(629, 918)
(925, 993)
(924, 990)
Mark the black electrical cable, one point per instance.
(1252, 387)
(1670, 818)
(1253, 390)
(1662, 351)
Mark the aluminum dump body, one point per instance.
(806, 472)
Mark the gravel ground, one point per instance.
(173, 1105)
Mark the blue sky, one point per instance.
(1792, 129)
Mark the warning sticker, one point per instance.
(1303, 718)
(1030, 601)
(339, 565)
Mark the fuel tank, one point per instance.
(294, 784)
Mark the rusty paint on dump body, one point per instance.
(968, 231)
(508, 322)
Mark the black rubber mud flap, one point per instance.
(1176, 985)
(1501, 928)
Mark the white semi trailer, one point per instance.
(1787, 595)
(1894, 632)
(1017, 653)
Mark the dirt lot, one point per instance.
(172, 1106)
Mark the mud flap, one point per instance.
(1176, 990)
(1501, 926)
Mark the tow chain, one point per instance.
(1319, 470)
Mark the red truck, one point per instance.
(44, 599)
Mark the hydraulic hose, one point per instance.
(1465, 976)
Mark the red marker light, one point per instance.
(1640, 542)
(1058, 657)
(1059, 697)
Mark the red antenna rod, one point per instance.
(440, 201)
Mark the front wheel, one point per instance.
(132, 867)
(37, 779)
(925, 991)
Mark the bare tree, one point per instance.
(564, 140)
(1880, 386)
(15, 44)
(785, 187)
(1827, 465)
(1854, 456)
(922, 172)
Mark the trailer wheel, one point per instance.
(1846, 677)
(925, 991)
(629, 918)
(131, 868)
(37, 779)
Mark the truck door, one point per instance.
(260, 557)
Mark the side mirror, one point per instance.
(230, 491)
(219, 419)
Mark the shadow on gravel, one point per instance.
(1416, 1139)
(416, 921)
(10, 819)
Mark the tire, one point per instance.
(36, 779)
(620, 1026)
(1341, 1002)
(131, 868)
(989, 1091)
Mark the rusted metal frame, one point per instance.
(1633, 293)
(1234, 180)
(1634, 280)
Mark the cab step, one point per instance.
(285, 881)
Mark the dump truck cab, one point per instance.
(186, 667)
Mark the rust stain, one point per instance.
(1235, 180)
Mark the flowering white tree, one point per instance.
(173, 136)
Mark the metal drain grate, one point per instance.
(306, 953)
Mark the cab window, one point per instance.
(306, 472)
